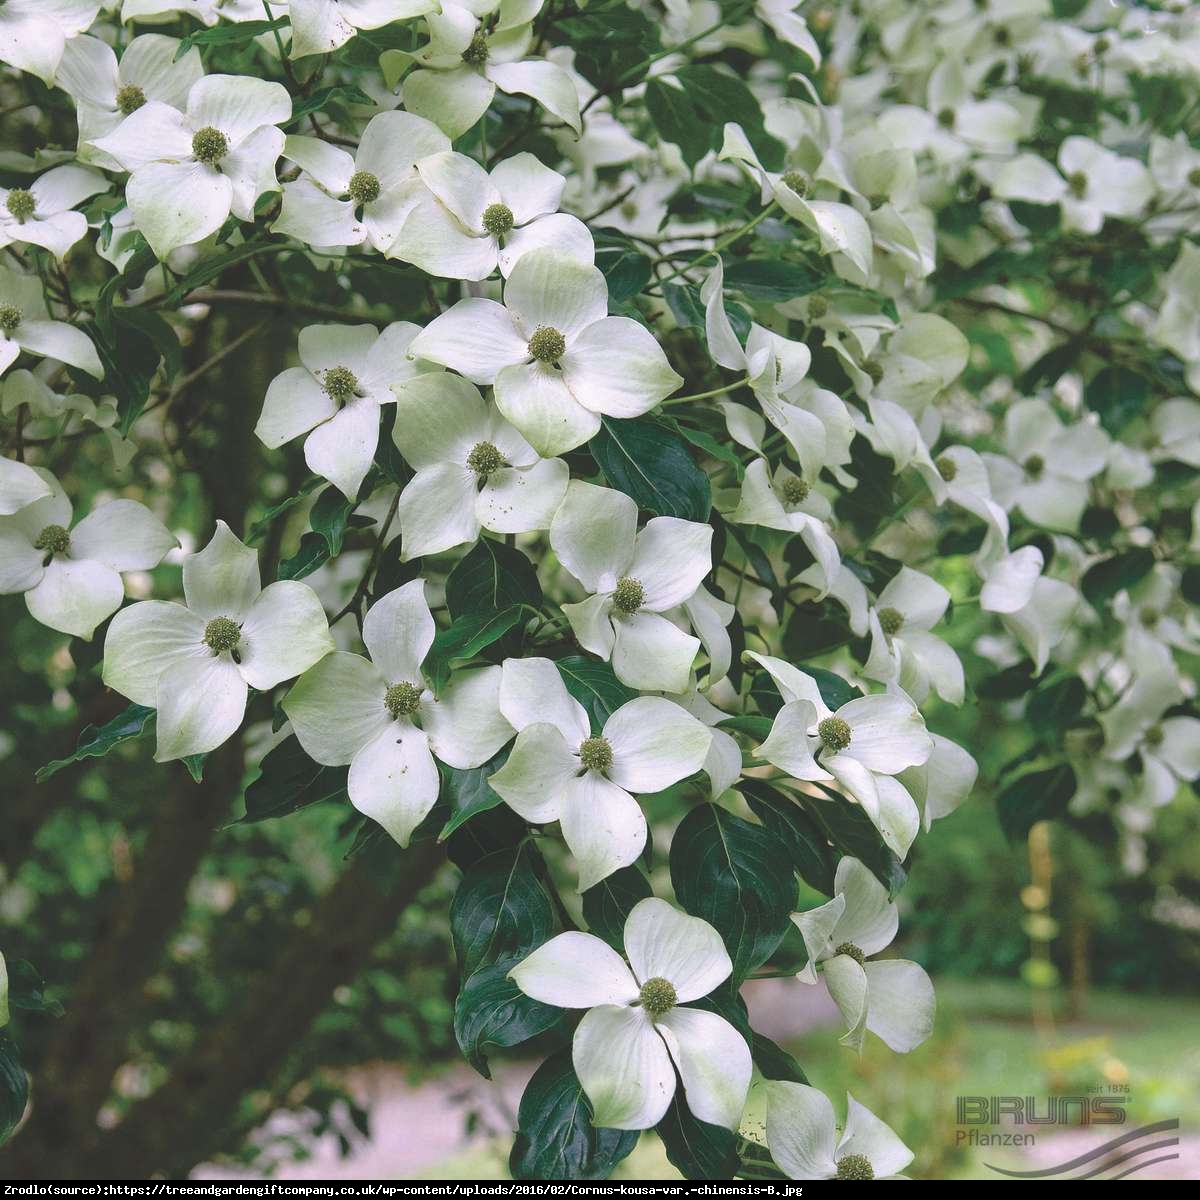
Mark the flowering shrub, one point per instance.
(672, 386)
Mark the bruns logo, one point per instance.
(1076, 1110)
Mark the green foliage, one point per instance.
(645, 460)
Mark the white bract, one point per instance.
(71, 577)
(379, 715)
(25, 324)
(34, 33)
(321, 26)
(20, 485)
(557, 360)
(41, 214)
(637, 1031)
(559, 770)
(196, 662)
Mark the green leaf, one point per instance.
(1100, 583)
(1032, 797)
(593, 683)
(97, 741)
(493, 576)
(625, 267)
(491, 1011)
(211, 267)
(645, 460)
(27, 989)
(677, 120)
(613, 42)
(772, 280)
(774, 1062)
(835, 691)
(14, 1088)
(229, 35)
(1054, 706)
(695, 1148)
(318, 101)
(130, 346)
(609, 902)
(738, 877)
(262, 526)
(556, 1139)
(195, 765)
(313, 553)
(330, 516)
(288, 780)
(504, 907)
(753, 726)
(1117, 395)
(806, 843)
(720, 96)
(466, 638)
(468, 792)
(851, 831)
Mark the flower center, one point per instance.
(874, 371)
(21, 204)
(209, 145)
(402, 699)
(947, 468)
(891, 620)
(130, 98)
(363, 187)
(834, 733)
(1194, 177)
(1035, 464)
(1077, 181)
(797, 181)
(221, 634)
(484, 459)
(1154, 735)
(596, 754)
(10, 317)
(1149, 618)
(945, 118)
(629, 595)
(547, 345)
(855, 1166)
(53, 538)
(498, 219)
(340, 384)
(795, 490)
(818, 307)
(658, 996)
(476, 54)
(851, 951)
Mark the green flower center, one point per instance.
(484, 459)
(629, 595)
(547, 345)
(221, 634)
(795, 490)
(130, 98)
(851, 951)
(1077, 181)
(947, 468)
(10, 317)
(1035, 464)
(476, 54)
(818, 306)
(1101, 45)
(402, 699)
(1149, 617)
(874, 371)
(945, 118)
(1193, 177)
(209, 145)
(1001, 36)
(891, 620)
(658, 996)
(363, 187)
(498, 219)
(797, 181)
(21, 204)
(596, 754)
(855, 1166)
(834, 733)
(1154, 735)
(340, 384)
(53, 538)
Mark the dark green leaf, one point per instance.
(323, 98)
(720, 96)
(608, 903)
(1008, 684)
(14, 1088)
(313, 553)
(806, 842)
(677, 120)
(1117, 395)
(1033, 797)
(468, 792)
(96, 741)
(625, 267)
(645, 460)
(288, 780)
(1100, 583)
(594, 685)
(774, 1062)
(851, 831)
(695, 1148)
(1054, 706)
(262, 526)
(835, 691)
(491, 577)
(229, 35)
(27, 989)
(465, 639)
(329, 517)
(195, 765)
(771, 279)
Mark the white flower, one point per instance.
(72, 577)
(802, 1134)
(190, 170)
(379, 716)
(634, 578)
(903, 648)
(943, 781)
(41, 214)
(1037, 611)
(106, 92)
(1177, 324)
(469, 221)
(208, 12)
(863, 745)
(25, 324)
(458, 71)
(321, 26)
(196, 662)
(637, 1032)
(473, 469)
(348, 372)
(33, 33)
(557, 771)
(557, 360)
(20, 485)
(344, 200)
(1100, 184)
(893, 998)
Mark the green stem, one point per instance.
(721, 391)
(717, 247)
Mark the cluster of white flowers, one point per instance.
(822, 376)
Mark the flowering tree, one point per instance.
(683, 405)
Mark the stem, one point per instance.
(721, 391)
(717, 247)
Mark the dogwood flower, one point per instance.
(559, 771)
(637, 1031)
(321, 26)
(106, 91)
(803, 1137)
(41, 214)
(1036, 610)
(379, 716)
(1100, 184)
(634, 578)
(903, 648)
(72, 577)
(348, 371)
(25, 324)
(469, 221)
(34, 33)
(195, 662)
(190, 170)
(473, 469)
(943, 781)
(557, 360)
(344, 200)
(457, 73)
(893, 998)
(20, 486)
